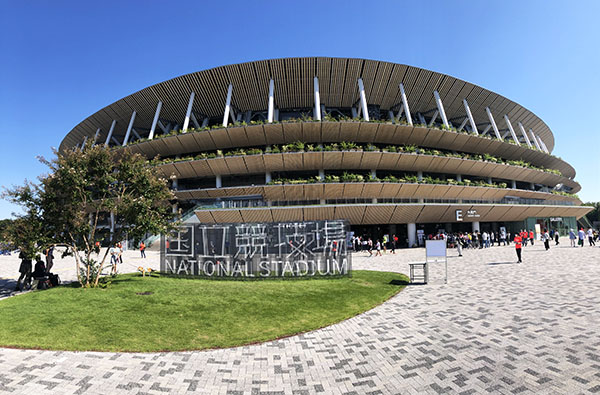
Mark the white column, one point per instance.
(317, 100)
(96, 137)
(271, 109)
(440, 107)
(110, 132)
(470, 116)
(112, 224)
(405, 102)
(227, 105)
(155, 120)
(129, 129)
(321, 174)
(83, 143)
(475, 225)
(186, 121)
(420, 175)
(513, 184)
(492, 122)
(459, 177)
(541, 143)
(463, 123)
(524, 134)
(218, 181)
(544, 146)
(363, 99)
(537, 145)
(412, 234)
(373, 174)
(510, 128)
(268, 177)
(174, 183)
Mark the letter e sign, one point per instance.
(459, 215)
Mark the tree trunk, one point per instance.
(101, 266)
(87, 284)
(78, 267)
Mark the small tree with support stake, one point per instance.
(84, 186)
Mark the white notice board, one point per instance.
(435, 248)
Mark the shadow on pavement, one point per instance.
(501, 263)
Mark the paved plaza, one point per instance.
(496, 327)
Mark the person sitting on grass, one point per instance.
(39, 275)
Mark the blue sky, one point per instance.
(62, 61)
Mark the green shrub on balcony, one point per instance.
(349, 146)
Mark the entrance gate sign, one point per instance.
(258, 250)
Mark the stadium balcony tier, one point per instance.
(335, 138)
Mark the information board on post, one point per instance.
(435, 250)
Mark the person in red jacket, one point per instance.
(518, 240)
(531, 236)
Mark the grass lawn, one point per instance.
(186, 314)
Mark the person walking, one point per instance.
(531, 236)
(546, 239)
(394, 242)
(556, 236)
(581, 235)
(378, 248)
(572, 237)
(114, 258)
(25, 270)
(523, 235)
(590, 234)
(143, 249)
(459, 244)
(486, 239)
(120, 246)
(370, 247)
(518, 240)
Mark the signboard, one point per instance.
(435, 251)
(258, 250)
(459, 215)
(435, 248)
(470, 214)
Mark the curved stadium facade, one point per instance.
(390, 148)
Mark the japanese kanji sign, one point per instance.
(260, 250)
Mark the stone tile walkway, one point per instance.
(497, 327)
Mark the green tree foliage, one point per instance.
(83, 188)
(25, 232)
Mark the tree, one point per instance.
(81, 191)
(25, 232)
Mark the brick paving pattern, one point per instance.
(497, 327)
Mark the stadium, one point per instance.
(391, 148)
